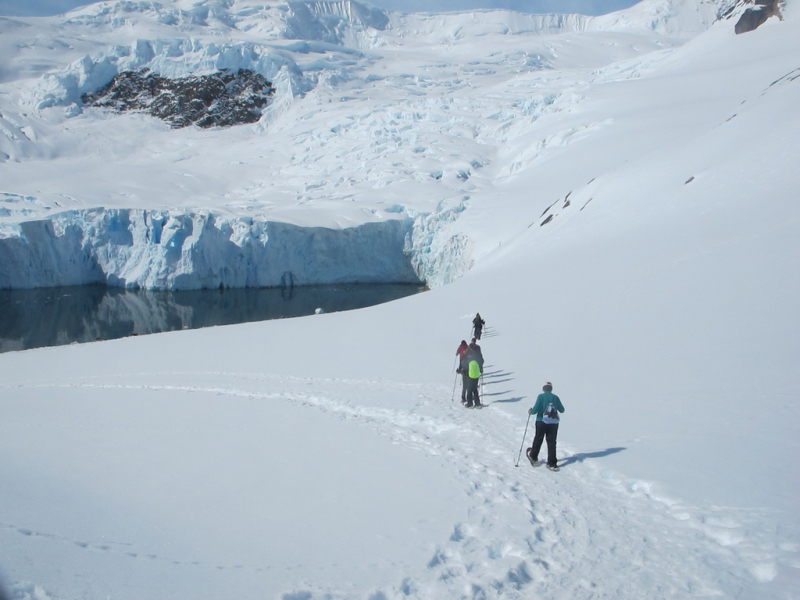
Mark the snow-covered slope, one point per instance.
(625, 196)
(398, 101)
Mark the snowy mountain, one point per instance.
(325, 60)
(614, 194)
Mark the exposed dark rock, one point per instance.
(548, 208)
(754, 17)
(220, 100)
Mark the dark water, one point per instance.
(58, 316)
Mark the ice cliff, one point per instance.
(180, 250)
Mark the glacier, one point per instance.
(151, 249)
(421, 146)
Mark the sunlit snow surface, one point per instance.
(376, 116)
(322, 457)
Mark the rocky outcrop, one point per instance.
(220, 100)
(756, 15)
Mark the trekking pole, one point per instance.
(453, 395)
(523, 439)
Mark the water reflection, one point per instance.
(58, 316)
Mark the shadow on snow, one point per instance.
(507, 400)
(584, 455)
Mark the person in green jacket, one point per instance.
(471, 368)
(546, 409)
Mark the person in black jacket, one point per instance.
(470, 379)
(477, 326)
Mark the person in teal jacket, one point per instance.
(546, 409)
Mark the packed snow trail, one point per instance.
(523, 532)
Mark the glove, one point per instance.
(530, 412)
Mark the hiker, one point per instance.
(462, 349)
(475, 349)
(546, 409)
(471, 370)
(477, 325)
(473, 379)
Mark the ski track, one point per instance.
(542, 541)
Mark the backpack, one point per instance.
(550, 414)
(474, 369)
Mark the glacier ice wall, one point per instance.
(180, 250)
(438, 254)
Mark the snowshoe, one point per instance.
(553, 467)
(534, 462)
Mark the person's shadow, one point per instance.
(493, 378)
(497, 373)
(582, 456)
(519, 399)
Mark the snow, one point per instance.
(323, 457)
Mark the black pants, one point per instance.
(464, 386)
(550, 431)
(472, 392)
